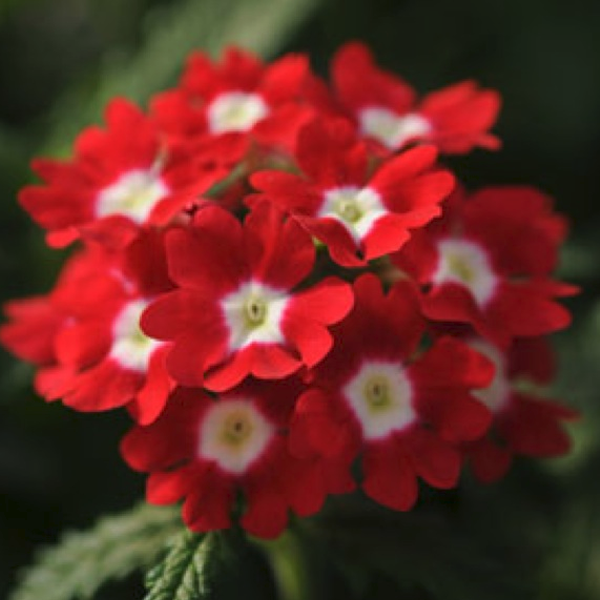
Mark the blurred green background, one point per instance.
(60, 60)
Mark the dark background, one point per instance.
(60, 60)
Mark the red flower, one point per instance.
(35, 324)
(86, 337)
(487, 262)
(359, 216)
(257, 379)
(208, 449)
(235, 313)
(120, 178)
(455, 119)
(525, 423)
(240, 95)
(371, 398)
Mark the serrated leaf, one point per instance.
(185, 572)
(83, 561)
(199, 567)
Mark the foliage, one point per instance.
(83, 561)
(549, 513)
(183, 574)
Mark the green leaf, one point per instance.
(199, 567)
(184, 574)
(114, 548)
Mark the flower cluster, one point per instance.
(291, 295)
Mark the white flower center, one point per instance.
(356, 208)
(131, 347)
(380, 395)
(234, 434)
(391, 129)
(496, 395)
(466, 263)
(134, 195)
(235, 111)
(253, 314)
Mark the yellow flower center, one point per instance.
(377, 393)
(461, 269)
(348, 210)
(237, 429)
(256, 311)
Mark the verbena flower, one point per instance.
(385, 109)
(488, 262)
(273, 276)
(358, 213)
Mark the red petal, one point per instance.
(169, 440)
(436, 461)
(533, 427)
(209, 504)
(329, 153)
(266, 515)
(359, 82)
(284, 78)
(32, 330)
(304, 485)
(209, 256)
(194, 352)
(523, 310)
(533, 358)
(82, 345)
(321, 426)
(279, 250)
(310, 339)
(152, 397)
(226, 374)
(288, 191)
(404, 166)
(103, 387)
(455, 417)
(452, 363)
(389, 477)
(52, 383)
(387, 234)
(342, 247)
(169, 487)
(327, 302)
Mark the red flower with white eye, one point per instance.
(116, 363)
(36, 324)
(93, 353)
(121, 178)
(488, 261)
(359, 216)
(236, 312)
(240, 96)
(206, 450)
(455, 119)
(524, 422)
(371, 398)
